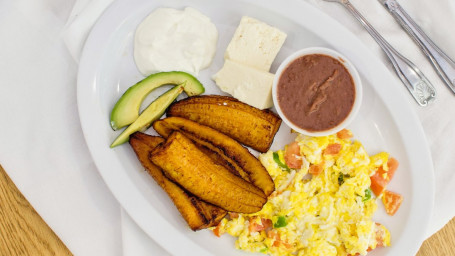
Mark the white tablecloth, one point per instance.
(41, 143)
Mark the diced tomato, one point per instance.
(392, 202)
(292, 156)
(381, 178)
(216, 230)
(344, 134)
(315, 169)
(332, 149)
(267, 223)
(393, 166)
(255, 227)
(277, 239)
(276, 243)
(378, 183)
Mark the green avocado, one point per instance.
(126, 110)
(153, 112)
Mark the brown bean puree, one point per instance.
(316, 92)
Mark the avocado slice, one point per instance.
(153, 112)
(126, 110)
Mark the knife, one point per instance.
(444, 66)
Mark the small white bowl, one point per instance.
(350, 68)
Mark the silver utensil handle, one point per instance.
(414, 80)
(441, 62)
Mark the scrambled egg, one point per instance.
(325, 214)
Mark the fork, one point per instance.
(411, 76)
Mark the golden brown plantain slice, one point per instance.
(226, 162)
(213, 152)
(220, 143)
(188, 166)
(197, 213)
(250, 126)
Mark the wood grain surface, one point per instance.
(22, 230)
(440, 244)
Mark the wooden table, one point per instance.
(440, 244)
(23, 231)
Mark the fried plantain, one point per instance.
(197, 213)
(213, 152)
(226, 162)
(192, 169)
(250, 126)
(220, 143)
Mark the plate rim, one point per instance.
(405, 112)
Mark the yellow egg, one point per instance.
(325, 214)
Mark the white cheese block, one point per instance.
(255, 44)
(247, 84)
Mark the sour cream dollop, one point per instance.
(175, 40)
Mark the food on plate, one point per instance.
(324, 212)
(255, 44)
(197, 213)
(126, 110)
(383, 175)
(381, 178)
(184, 163)
(379, 181)
(317, 196)
(292, 158)
(246, 84)
(163, 128)
(248, 57)
(170, 39)
(221, 159)
(154, 111)
(250, 126)
(391, 201)
(316, 92)
(225, 146)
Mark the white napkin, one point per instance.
(84, 14)
(41, 143)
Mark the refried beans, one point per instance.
(316, 92)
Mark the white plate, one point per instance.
(385, 121)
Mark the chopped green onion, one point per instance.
(342, 177)
(367, 195)
(280, 222)
(277, 160)
(263, 250)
